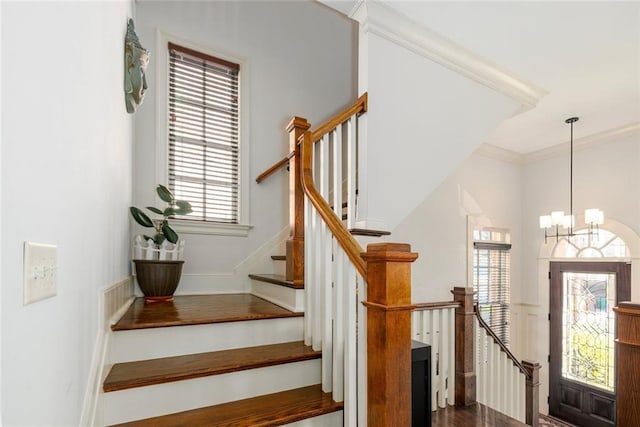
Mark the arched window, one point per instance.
(604, 244)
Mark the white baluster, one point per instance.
(337, 172)
(362, 350)
(350, 355)
(352, 147)
(327, 309)
(317, 289)
(339, 327)
(444, 357)
(492, 373)
(309, 216)
(451, 390)
(425, 328)
(520, 397)
(435, 344)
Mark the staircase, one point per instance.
(256, 359)
(214, 360)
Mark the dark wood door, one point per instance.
(582, 368)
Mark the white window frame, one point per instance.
(162, 137)
(481, 224)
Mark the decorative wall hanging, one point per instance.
(136, 59)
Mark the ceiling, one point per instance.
(586, 55)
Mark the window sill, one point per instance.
(210, 228)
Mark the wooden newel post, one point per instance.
(465, 379)
(389, 333)
(295, 243)
(532, 393)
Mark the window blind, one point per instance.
(203, 134)
(491, 281)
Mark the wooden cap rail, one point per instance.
(502, 345)
(422, 306)
(350, 245)
(358, 107)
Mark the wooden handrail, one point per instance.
(498, 341)
(358, 107)
(350, 245)
(266, 174)
(422, 306)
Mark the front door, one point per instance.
(582, 365)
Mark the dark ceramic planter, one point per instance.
(158, 280)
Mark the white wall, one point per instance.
(66, 180)
(605, 176)
(485, 188)
(301, 58)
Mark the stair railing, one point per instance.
(434, 324)
(470, 364)
(357, 304)
(503, 382)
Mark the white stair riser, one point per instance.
(162, 399)
(142, 344)
(333, 419)
(289, 298)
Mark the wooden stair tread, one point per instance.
(276, 279)
(199, 309)
(167, 369)
(279, 257)
(263, 411)
(367, 232)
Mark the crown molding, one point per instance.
(378, 18)
(499, 153)
(563, 148)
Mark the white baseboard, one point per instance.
(114, 301)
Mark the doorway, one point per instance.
(582, 361)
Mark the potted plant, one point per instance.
(157, 258)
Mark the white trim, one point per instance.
(162, 127)
(114, 300)
(201, 227)
(499, 153)
(382, 19)
(258, 259)
(610, 135)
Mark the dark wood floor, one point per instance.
(472, 416)
(199, 309)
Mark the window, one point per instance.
(491, 279)
(204, 143)
(604, 244)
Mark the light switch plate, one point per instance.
(39, 272)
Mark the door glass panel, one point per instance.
(588, 332)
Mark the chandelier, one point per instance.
(558, 220)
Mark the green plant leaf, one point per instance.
(169, 212)
(184, 207)
(169, 233)
(146, 238)
(140, 217)
(154, 210)
(158, 239)
(164, 193)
